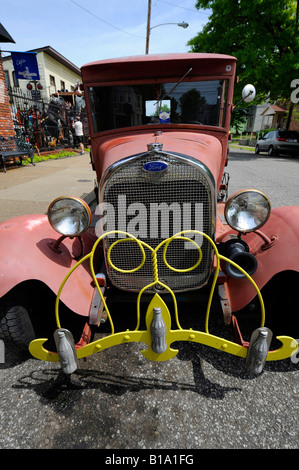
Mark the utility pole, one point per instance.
(148, 28)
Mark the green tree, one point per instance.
(160, 109)
(238, 118)
(262, 34)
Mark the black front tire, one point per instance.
(271, 152)
(16, 328)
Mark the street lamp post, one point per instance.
(149, 28)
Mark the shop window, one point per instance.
(15, 79)
(52, 82)
(7, 78)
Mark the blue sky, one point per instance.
(87, 30)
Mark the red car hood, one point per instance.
(206, 148)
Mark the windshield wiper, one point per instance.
(173, 88)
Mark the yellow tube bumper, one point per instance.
(288, 348)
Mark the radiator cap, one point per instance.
(154, 146)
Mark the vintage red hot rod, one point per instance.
(165, 246)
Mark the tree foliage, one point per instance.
(262, 34)
(238, 118)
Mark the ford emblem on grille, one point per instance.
(155, 166)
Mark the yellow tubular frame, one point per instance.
(288, 348)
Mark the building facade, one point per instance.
(56, 73)
(42, 111)
(269, 116)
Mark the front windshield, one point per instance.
(198, 102)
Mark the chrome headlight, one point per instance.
(69, 216)
(247, 210)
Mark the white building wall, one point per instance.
(47, 66)
(60, 73)
(254, 122)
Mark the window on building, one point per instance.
(62, 85)
(52, 81)
(15, 79)
(7, 78)
(250, 122)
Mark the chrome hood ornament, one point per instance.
(154, 146)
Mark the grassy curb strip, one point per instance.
(42, 158)
(242, 147)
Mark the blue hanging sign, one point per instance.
(25, 65)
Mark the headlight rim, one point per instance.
(236, 194)
(73, 198)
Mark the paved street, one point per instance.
(201, 399)
(275, 176)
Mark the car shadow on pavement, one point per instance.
(116, 379)
(122, 369)
(130, 376)
(119, 373)
(51, 385)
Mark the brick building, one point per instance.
(6, 120)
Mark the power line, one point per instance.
(106, 22)
(183, 8)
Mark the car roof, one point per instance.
(153, 66)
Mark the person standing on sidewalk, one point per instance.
(77, 125)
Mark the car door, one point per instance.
(268, 141)
(263, 143)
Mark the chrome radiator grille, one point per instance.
(155, 206)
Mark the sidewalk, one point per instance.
(30, 189)
(241, 147)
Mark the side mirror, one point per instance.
(248, 93)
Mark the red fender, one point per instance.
(283, 255)
(25, 255)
